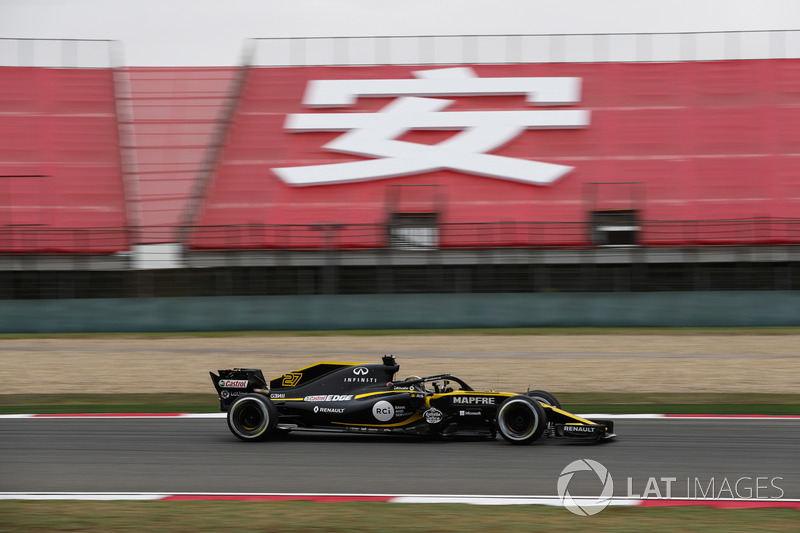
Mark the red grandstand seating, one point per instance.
(710, 142)
(61, 186)
(175, 113)
(713, 145)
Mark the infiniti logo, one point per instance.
(360, 371)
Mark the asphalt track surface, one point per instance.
(200, 455)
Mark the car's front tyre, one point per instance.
(521, 420)
(544, 396)
(253, 417)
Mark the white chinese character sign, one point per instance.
(311, 146)
(421, 103)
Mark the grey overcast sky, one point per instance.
(212, 32)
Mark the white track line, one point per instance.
(86, 496)
(117, 416)
(398, 498)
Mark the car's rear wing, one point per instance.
(235, 382)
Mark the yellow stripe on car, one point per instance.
(413, 418)
(300, 370)
(359, 396)
(574, 417)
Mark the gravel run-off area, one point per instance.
(717, 363)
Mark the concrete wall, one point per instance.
(724, 308)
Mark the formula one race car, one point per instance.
(365, 398)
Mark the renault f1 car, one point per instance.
(366, 398)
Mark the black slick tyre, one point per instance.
(252, 417)
(545, 397)
(521, 420)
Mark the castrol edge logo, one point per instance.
(233, 383)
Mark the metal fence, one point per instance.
(755, 254)
(557, 235)
(760, 231)
(543, 48)
(388, 275)
(60, 53)
(440, 49)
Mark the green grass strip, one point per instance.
(295, 517)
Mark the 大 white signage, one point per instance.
(375, 135)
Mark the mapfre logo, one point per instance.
(473, 400)
(376, 135)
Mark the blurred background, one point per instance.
(126, 182)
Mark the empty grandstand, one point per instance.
(400, 165)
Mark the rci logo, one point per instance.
(585, 506)
(291, 379)
(383, 411)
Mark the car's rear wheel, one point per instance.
(253, 417)
(521, 420)
(545, 397)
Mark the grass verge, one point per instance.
(578, 402)
(777, 330)
(290, 517)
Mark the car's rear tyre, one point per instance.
(521, 420)
(253, 417)
(545, 397)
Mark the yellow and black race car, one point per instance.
(365, 398)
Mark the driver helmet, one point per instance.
(420, 386)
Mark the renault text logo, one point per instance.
(584, 506)
(360, 371)
(376, 135)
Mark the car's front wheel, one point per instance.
(544, 396)
(521, 420)
(252, 417)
